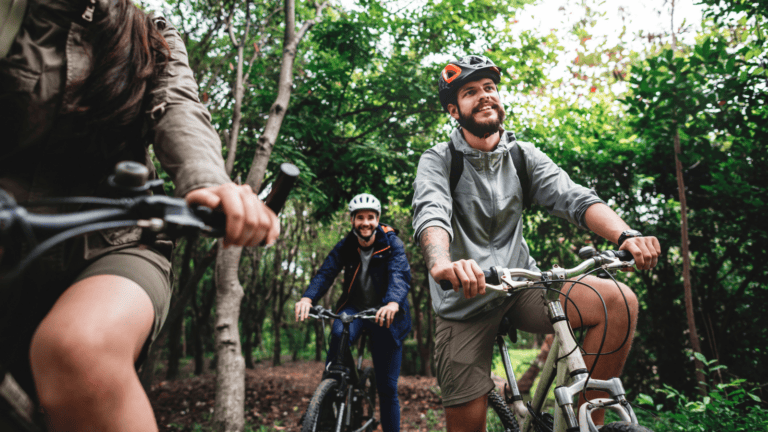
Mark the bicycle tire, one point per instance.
(364, 403)
(623, 427)
(323, 409)
(508, 420)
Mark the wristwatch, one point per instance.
(628, 234)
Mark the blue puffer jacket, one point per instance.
(389, 271)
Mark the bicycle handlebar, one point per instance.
(321, 312)
(153, 213)
(495, 277)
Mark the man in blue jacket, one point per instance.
(376, 273)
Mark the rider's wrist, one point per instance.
(630, 233)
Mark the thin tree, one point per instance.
(692, 333)
(229, 410)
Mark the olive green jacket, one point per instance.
(42, 154)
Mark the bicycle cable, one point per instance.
(58, 238)
(605, 329)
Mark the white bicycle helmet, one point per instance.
(364, 201)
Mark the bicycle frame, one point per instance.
(566, 368)
(348, 371)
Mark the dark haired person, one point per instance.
(476, 223)
(376, 273)
(87, 84)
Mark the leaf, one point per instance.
(644, 399)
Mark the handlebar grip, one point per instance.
(214, 219)
(282, 187)
(624, 255)
(491, 277)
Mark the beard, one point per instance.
(485, 129)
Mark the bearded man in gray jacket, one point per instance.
(476, 223)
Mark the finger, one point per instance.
(390, 318)
(461, 276)
(203, 197)
(254, 222)
(479, 275)
(630, 246)
(232, 205)
(467, 264)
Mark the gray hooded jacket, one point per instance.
(483, 218)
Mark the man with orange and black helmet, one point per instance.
(469, 195)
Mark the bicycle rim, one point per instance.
(324, 408)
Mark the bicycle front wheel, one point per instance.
(324, 408)
(623, 427)
(364, 401)
(507, 418)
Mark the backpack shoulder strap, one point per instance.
(518, 159)
(457, 166)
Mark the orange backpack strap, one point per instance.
(386, 228)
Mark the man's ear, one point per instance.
(453, 110)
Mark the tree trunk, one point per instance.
(229, 412)
(692, 333)
(174, 349)
(228, 415)
(688, 290)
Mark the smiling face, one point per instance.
(479, 109)
(364, 222)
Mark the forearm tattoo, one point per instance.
(434, 246)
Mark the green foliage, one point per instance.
(732, 406)
(364, 108)
(713, 95)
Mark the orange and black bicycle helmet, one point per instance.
(459, 72)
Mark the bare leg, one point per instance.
(608, 366)
(83, 355)
(468, 417)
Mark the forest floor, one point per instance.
(276, 397)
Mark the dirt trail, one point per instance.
(277, 397)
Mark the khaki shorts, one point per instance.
(464, 349)
(21, 310)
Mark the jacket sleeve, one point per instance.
(432, 201)
(179, 126)
(553, 189)
(399, 273)
(324, 278)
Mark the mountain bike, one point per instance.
(156, 215)
(565, 365)
(345, 400)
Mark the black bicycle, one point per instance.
(345, 400)
(156, 215)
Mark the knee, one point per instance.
(619, 302)
(387, 389)
(72, 367)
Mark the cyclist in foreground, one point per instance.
(85, 85)
(376, 272)
(474, 222)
